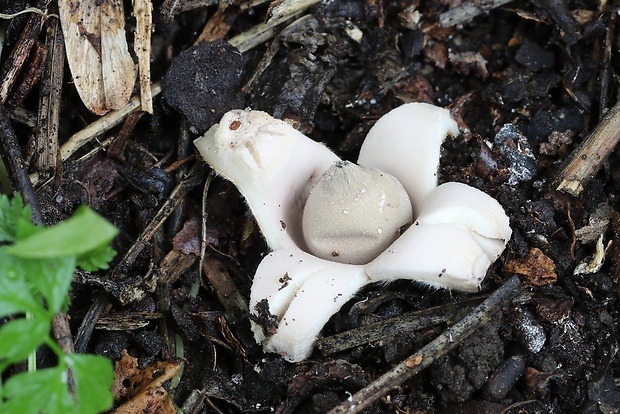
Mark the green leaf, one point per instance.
(52, 278)
(22, 336)
(93, 376)
(98, 259)
(15, 293)
(84, 232)
(40, 392)
(13, 213)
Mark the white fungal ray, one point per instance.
(406, 143)
(472, 210)
(442, 255)
(303, 292)
(272, 164)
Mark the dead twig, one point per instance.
(440, 346)
(12, 155)
(47, 153)
(466, 12)
(143, 10)
(31, 75)
(13, 64)
(285, 10)
(408, 322)
(588, 158)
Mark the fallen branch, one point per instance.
(408, 322)
(466, 12)
(440, 346)
(588, 158)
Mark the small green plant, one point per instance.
(36, 270)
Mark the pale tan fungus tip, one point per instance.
(354, 213)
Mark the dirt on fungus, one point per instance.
(527, 82)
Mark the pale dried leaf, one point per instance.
(119, 72)
(103, 71)
(143, 387)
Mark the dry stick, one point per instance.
(606, 70)
(30, 75)
(251, 3)
(217, 26)
(171, 8)
(584, 162)
(12, 66)
(183, 152)
(408, 322)
(440, 346)
(143, 10)
(47, 155)
(260, 33)
(467, 12)
(13, 158)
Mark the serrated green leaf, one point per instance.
(20, 337)
(52, 278)
(84, 232)
(40, 392)
(93, 376)
(15, 293)
(98, 259)
(12, 212)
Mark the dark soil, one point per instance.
(527, 83)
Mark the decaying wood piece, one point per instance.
(588, 158)
(171, 8)
(225, 288)
(217, 26)
(13, 64)
(31, 74)
(468, 11)
(440, 346)
(408, 322)
(126, 321)
(173, 265)
(143, 10)
(46, 152)
(102, 68)
(12, 156)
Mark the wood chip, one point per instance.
(143, 387)
(537, 268)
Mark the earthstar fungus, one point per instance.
(335, 226)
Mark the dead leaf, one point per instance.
(144, 387)
(537, 268)
(102, 68)
(187, 240)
